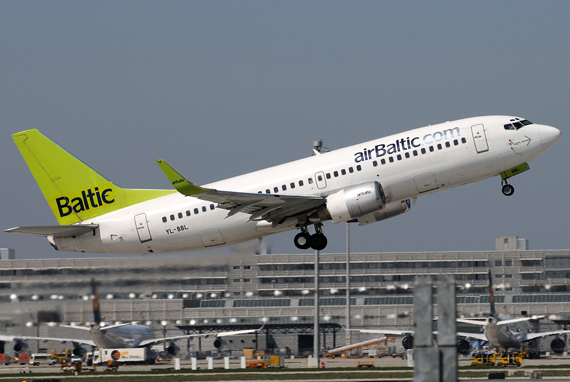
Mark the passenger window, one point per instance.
(463, 140)
(188, 213)
(399, 157)
(439, 146)
(212, 207)
(164, 219)
(335, 174)
(328, 175)
(407, 154)
(415, 153)
(301, 183)
(172, 217)
(284, 187)
(391, 160)
(423, 150)
(456, 142)
(180, 215)
(275, 189)
(358, 168)
(267, 191)
(196, 212)
(320, 178)
(350, 169)
(310, 180)
(375, 163)
(343, 171)
(448, 145)
(431, 149)
(383, 161)
(292, 184)
(203, 208)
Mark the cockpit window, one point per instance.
(517, 124)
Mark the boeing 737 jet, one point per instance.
(364, 183)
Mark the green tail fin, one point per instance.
(73, 190)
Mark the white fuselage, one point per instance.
(407, 165)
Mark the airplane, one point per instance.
(497, 332)
(364, 183)
(117, 336)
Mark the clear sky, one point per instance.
(223, 88)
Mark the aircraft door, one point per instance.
(479, 138)
(320, 180)
(212, 237)
(141, 225)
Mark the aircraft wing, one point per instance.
(520, 319)
(205, 335)
(532, 336)
(270, 207)
(476, 336)
(392, 332)
(472, 322)
(44, 339)
(55, 230)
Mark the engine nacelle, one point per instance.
(79, 351)
(20, 346)
(219, 343)
(558, 345)
(173, 349)
(463, 347)
(408, 342)
(355, 201)
(391, 210)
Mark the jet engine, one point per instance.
(391, 210)
(79, 351)
(558, 345)
(354, 202)
(20, 346)
(219, 343)
(463, 347)
(408, 342)
(173, 349)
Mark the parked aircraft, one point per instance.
(497, 332)
(364, 183)
(117, 336)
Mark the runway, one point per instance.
(385, 369)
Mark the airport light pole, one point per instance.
(316, 347)
(347, 330)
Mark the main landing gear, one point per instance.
(507, 189)
(304, 240)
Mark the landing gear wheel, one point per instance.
(302, 240)
(318, 241)
(508, 190)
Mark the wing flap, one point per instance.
(55, 230)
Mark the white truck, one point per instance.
(124, 355)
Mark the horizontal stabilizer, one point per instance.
(55, 230)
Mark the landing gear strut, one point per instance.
(304, 240)
(508, 190)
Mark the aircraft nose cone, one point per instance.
(548, 135)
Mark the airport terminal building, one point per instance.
(176, 295)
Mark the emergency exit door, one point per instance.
(142, 228)
(479, 138)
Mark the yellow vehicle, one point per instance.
(510, 359)
(483, 359)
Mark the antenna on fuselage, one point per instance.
(318, 147)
